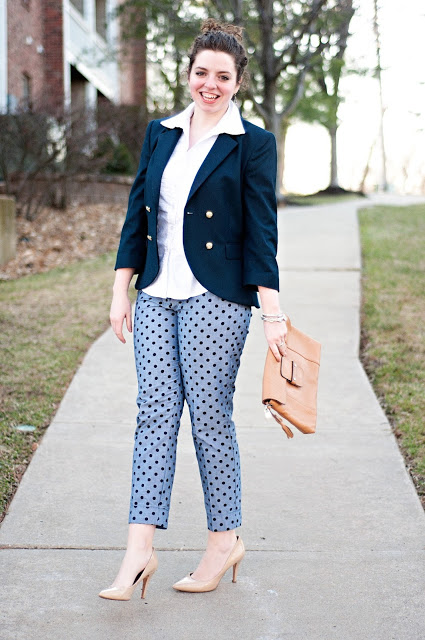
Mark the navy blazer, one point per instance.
(230, 217)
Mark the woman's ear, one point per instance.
(236, 90)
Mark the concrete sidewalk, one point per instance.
(334, 530)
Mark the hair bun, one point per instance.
(213, 25)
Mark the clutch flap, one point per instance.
(303, 344)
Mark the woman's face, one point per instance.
(212, 81)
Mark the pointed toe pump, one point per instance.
(199, 586)
(125, 593)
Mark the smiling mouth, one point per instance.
(209, 97)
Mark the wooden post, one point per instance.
(7, 229)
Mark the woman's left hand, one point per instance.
(276, 337)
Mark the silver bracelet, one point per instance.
(273, 315)
(268, 317)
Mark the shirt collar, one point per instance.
(230, 122)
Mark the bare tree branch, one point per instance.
(297, 95)
(257, 105)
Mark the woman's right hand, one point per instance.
(120, 311)
(121, 305)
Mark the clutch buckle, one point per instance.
(291, 371)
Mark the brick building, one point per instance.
(56, 53)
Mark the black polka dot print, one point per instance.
(187, 350)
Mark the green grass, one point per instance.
(315, 200)
(393, 323)
(47, 323)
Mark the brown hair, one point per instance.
(227, 38)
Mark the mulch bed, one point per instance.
(56, 238)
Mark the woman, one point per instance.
(201, 234)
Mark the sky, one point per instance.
(402, 26)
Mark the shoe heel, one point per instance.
(235, 570)
(145, 584)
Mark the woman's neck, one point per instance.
(201, 123)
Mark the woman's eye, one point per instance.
(200, 73)
(224, 78)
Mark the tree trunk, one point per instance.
(237, 11)
(275, 126)
(281, 157)
(335, 72)
(334, 158)
(178, 91)
(383, 182)
(367, 167)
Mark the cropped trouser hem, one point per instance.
(224, 521)
(149, 515)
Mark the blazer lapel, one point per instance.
(219, 151)
(165, 145)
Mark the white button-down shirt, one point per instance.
(175, 278)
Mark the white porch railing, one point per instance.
(89, 53)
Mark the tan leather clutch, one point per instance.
(290, 386)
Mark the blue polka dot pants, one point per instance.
(187, 350)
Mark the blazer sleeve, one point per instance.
(260, 213)
(132, 246)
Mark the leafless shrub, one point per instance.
(58, 146)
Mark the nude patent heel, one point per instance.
(235, 570)
(190, 585)
(145, 583)
(125, 593)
